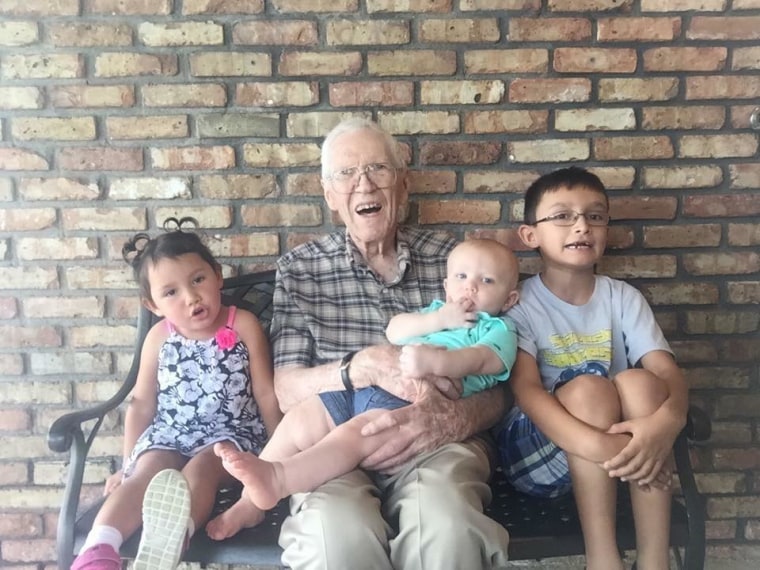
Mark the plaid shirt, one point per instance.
(328, 302)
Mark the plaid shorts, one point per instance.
(531, 462)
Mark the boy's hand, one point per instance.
(457, 314)
(418, 360)
(643, 459)
(112, 482)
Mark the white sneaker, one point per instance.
(166, 513)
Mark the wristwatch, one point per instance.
(345, 362)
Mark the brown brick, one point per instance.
(20, 159)
(292, 33)
(64, 307)
(685, 58)
(20, 98)
(478, 122)
(746, 58)
(208, 216)
(549, 90)
(281, 215)
(632, 29)
(129, 64)
(633, 148)
(461, 92)
(412, 62)
(681, 293)
(516, 5)
(733, 507)
(481, 30)
(212, 64)
(618, 119)
(89, 34)
(589, 5)
(432, 182)
(238, 125)
(148, 188)
(594, 60)
(20, 337)
(26, 219)
(722, 87)
(498, 181)
(417, 122)
(287, 6)
(717, 146)
(13, 420)
(367, 32)
(285, 93)
(315, 124)
(643, 208)
(131, 8)
(745, 175)
(15, 34)
(724, 28)
(735, 263)
(57, 189)
(744, 234)
(281, 155)
(548, 150)
(682, 177)
(620, 237)
(64, 96)
(634, 89)
(719, 377)
(459, 211)
(180, 34)
(103, 219)
(54, 128)
(30, 249)
(195, 7)
(638, 266)
(683, 5)
(615, 177)
(42, 66)
(743, 292)
(238, 186)
(98, 158)
(193, 158)
(692, 235)
(303, 184)
(294, 63)
(549, 29)
(693, 117)
(517, 60)
(250, 245)
(445, 153)
(690, 351)
(371, 93)
(8, 309)
(748, 458)
(721, 205)
(432, 6)
(40, 8)
(152, 127)
(187, 95)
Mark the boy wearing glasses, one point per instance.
(584, 416)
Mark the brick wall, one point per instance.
(115, 114)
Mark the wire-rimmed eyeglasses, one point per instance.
(568, 218)
(381, 174)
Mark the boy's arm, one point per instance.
(653, 436)
(565, 430)
(406, 325)
(421, 360)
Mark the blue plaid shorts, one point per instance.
(531, 462)
(343, 405)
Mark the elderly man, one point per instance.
(333, 299)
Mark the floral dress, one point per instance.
(204, 396)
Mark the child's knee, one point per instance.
(594, 399)
(641, 392)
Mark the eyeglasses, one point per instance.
(381, 174)
(568, 218)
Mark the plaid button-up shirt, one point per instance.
(328, 302)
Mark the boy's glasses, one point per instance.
(569, 218)
(381, 174)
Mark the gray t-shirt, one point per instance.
(605, 336)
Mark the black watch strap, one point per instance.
(345, 362)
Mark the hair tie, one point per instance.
(185, 224)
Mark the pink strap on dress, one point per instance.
(231, 315)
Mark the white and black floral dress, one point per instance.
(204, 396)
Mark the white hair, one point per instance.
(358, 124)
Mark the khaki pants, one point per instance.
(436, 502)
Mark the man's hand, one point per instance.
(420, 427)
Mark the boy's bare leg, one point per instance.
(339, 452)
(594, 400)
(641, 393)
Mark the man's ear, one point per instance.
(512, 299)
(329, 195)
(528, 235)
(151, 306)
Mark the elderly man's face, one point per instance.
(368, 201)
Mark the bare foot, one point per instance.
(243, 514)
(259, 477)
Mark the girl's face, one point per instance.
(186, 291)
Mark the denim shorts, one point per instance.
(343, 405)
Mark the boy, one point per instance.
(472, 342)
(583, 416)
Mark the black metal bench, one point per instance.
(538, 528)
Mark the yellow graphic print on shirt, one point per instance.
(572, 349)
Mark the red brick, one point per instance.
(549, 90)
(373, 93)
(633, 148)
(594, 60)
(724, 28)
(721, 205)
(549, 29)
(685, 58)
(629, 29)
(643, 208)
(479, 212)
(459, 153)
(99, 158)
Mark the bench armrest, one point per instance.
(698, 424)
